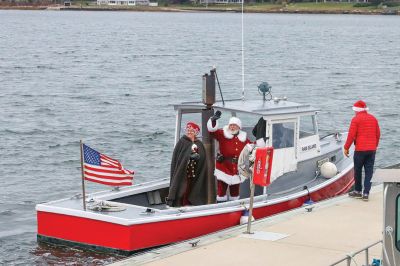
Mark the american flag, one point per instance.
(102, 169)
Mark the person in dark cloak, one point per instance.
(188, 184)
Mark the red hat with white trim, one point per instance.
(194, 126)
(360, 106)
(235, 121)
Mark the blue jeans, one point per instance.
(364, 159)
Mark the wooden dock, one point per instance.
(332, 230)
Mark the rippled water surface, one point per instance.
(109, 77)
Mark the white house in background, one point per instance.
(220, 1)
(123, 2)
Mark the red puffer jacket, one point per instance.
(364, 132)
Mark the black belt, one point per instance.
(221, 158)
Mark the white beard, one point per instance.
(234, 132)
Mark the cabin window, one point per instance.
(307, 126)
(283, 135)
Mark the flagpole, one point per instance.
(83, 178)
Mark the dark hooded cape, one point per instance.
(179, 181)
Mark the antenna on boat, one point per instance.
(243, 98)
(219, 86)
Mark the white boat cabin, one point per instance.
(291, 128)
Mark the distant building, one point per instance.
(123, 2)
(220, 1)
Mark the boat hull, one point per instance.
(127, 239)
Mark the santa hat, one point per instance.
(360, 106)
(194, 126)
(236, 121)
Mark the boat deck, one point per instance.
(279, 189)
(136, 208)
(333, 229)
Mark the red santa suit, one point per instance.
(230, 147)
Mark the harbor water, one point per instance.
(109, 78)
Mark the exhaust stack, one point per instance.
(208, 92)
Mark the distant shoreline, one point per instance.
(269, 9)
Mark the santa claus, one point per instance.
(231, 140)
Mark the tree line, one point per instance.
(390, 3)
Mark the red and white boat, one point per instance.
(136, 217)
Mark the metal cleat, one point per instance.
(194, 243)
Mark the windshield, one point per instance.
(283, 135)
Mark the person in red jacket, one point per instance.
(364, 132)
(231, 141)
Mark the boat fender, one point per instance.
(328, 170)
(245, 217)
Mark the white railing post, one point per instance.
(349, 257)
(348, 260)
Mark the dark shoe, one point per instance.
(355, 194)
(365, 197)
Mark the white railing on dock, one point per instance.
(350, 257)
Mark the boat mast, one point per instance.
(208, 92)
